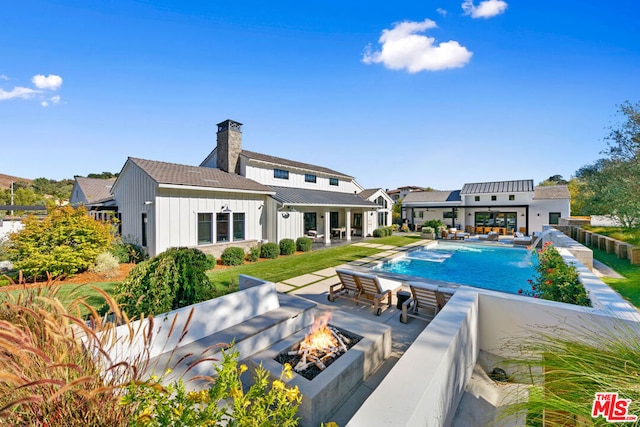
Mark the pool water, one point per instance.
(483, 266)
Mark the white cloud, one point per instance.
(403, 47)
(3, 77)
(485, 9)
(441, 11)
(53, 100)
(50, 82)
(18, 92)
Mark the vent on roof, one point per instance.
(210, 180)
(193, 171)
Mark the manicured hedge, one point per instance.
(287, 247)
(269, 250)
(304, 244)
(233, 255)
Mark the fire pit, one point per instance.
(323, 345)
(331, 386)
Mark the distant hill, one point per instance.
(6, 180)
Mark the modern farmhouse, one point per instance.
(508, 205)
(238, 197)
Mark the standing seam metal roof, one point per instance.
(300, 196)
(520, 186)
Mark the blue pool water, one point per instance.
(489, 267)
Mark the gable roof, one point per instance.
(301, 196)
(95, 190)
(519, 186)
(196, 176)
(432, 197)
(365, 194)
(279, 161)
(551, 192)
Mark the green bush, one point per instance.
(127, 252)
(269, 250)
(211, 262)
(66, 241)
(382, 231)
(428, 230)
(254, 254)
(395, 227)
(556, 280)
(173, 279)
(232, 256)
(304, 244)
(287, 247)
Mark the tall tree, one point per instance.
(613, 183)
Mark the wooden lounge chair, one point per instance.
(423, 303)
(377, 289)
(347, 288)
(443, 295)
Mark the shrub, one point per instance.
(128, 252)
(106, 263)
(379, 232)
(287, 247)
(556, 280)
(304, 244)
(173, 279)
(66, 241)
(428, 230)
(269, 250)
(404, 228)
(232, 255)
(395, 227)
(254, 254)
(210, 263)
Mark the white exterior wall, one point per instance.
(264, 175)
(177, 215)
(77, 196)
(544, 207)
(7, 227)
(502, 199)
(134, 188)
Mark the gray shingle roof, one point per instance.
(300, 196)
(518, 186)
(432, 197)
(552, 192)
(291, 163)
(366, 193)
(172, 173)
(95, 189)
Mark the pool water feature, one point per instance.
(505, 269)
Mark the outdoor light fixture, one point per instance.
(225, 209)
(148, 202)
(538, 213)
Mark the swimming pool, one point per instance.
(497, 268)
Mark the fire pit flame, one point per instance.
(321, 343)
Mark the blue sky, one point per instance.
(430, 93)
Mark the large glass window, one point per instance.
(281, 174)
(554, 217)
(357, 220)
(506, 220)
(205, 230)
(310, 222)
(333, 181)
(382, 219)
(309, 178)
(334, 219)
(222, 227)
(238, 226)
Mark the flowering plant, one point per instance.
(556, 280)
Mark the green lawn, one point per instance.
(618, 233)
(629, 287)
(292, 266)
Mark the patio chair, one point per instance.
(423, 303)
(347, 288)
(377, 289)
(521, 239)
(491, 237)
(313, 235)
(443, 295)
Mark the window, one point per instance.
(238, 226)
(222, 227)
(357, 220)
(309, 178)
(512, 196)
(382, 219)
(144, 230)
(334, 219)
(449, 214)
(333, 181)
(310, 222)
(205, 230)
(494, 198)
(477, 198)
(554, 217)
(420, 214)
(280, 174)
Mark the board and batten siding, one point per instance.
(134, 188)
(177, 214)
(264, 175)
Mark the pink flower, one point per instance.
(529, 281)
(519, 291)
(548, 282)
(533, 288)
(536, 296)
